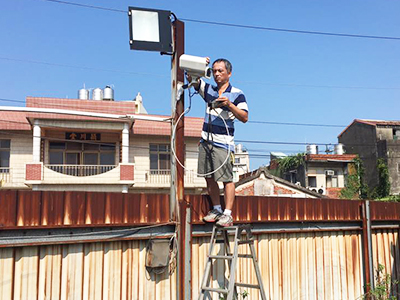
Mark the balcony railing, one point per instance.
(164, 176)
(81, 170)
(5, 175)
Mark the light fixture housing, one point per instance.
(150, 29)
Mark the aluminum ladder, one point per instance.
(220, 235)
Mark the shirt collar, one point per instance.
(228, 89)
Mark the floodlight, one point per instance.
(150, 29)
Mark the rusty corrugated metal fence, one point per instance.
(307, 248)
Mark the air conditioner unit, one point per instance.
(329, 173)
(321, 191)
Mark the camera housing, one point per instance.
(195, 66)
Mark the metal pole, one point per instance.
(177, 171)
(367, 246)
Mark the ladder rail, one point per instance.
(207, 269)
(255, 263)
(232, 261)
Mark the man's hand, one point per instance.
(223, 101)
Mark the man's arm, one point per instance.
(240, 114)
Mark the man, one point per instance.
(227, 103)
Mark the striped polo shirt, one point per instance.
(214, 130)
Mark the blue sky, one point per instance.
(51, 49)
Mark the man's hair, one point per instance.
(227, 63)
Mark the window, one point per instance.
(4, 156)
(81, 154)
(312, 181)
(160, 157)
(331, 182)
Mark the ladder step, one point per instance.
(245, 242)
(219, 241)
(206, 288)
(247, 285)
(245, 255)
(221, 256)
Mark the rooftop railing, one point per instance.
(81, 170)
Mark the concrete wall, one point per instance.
(393, 161)
(20, 154)
(361, 139)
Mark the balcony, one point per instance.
(81, 170)
(5, 176)
(37, 173)
(162, 178)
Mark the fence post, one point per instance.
(367, 247)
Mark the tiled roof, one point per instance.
(193, 127)
(372, 123)
(109, 107)
(256, 173)
(14, 120)
(330, 157)
(10, 120)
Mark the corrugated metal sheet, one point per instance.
(32, 209)
(261, 209)
(114, 270)
(295, 266)
(384, 210)
(386, 252)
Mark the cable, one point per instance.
(239, 25)
(239, 141)
(117, 230)
(296, 124)
(250, 121)
(292, 30)
(239, 81)
(173, 138)
(80, 67)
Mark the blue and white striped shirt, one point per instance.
(216, 132)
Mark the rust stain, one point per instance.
(52, 209)
(95, 208)
(28, 211)
(81, 209)
(8, 211)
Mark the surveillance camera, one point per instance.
(195, 66)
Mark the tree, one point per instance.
(383, 188)
(290, 162)
(355, 187)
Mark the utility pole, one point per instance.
(177, 171)
(150, 30)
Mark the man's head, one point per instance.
(222, 71)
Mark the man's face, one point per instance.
(220, 73)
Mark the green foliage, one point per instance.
(383, 188)
(355, 187)
(291, 162)
(383, 286)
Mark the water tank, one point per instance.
(312, 149)
(339, 149)
(97, 94)
(108, 93)
(238, 148)
(83, 94)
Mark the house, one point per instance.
(262, 183)
(322, 173)
(241, 165)
(374, 139)
(91, 145)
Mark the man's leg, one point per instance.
(213, 191)
(229, 194)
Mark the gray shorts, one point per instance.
(211, 158)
